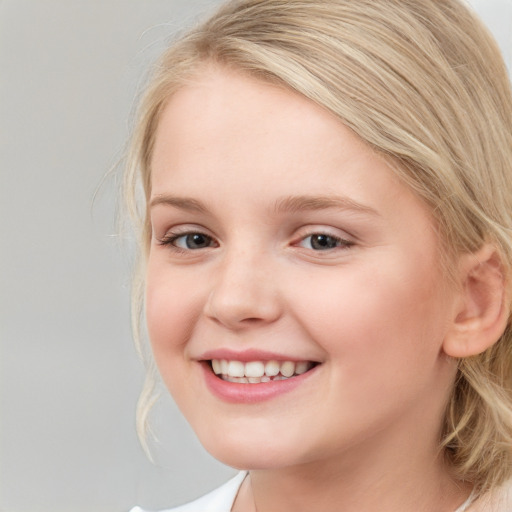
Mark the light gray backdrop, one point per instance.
(69, 71)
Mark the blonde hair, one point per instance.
(422, 82)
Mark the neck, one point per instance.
(296, 491)
(378, 480)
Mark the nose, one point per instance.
(244, 293)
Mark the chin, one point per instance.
(251, 450)
(237, 445)
(250, 458)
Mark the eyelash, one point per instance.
(339, 243)
(336, 242)
(171, 239)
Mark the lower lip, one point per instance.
(235, 392)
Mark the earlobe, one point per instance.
(481, 314)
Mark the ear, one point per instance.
(481, 313)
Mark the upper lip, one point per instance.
(248, 355)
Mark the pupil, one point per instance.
(196, 241)
(323, 242)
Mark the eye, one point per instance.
(323, 242)
(189, 241)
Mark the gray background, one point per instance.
(69, 72)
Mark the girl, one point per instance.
(326, 252)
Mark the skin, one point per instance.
(362, 432)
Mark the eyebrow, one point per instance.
(289, 204)
(304, 203)
(183, 203)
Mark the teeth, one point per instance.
(302, 367)
(255, 372)
(272, 368)
(236, 369)
(254, 369)
(217, 366)
(287, 369)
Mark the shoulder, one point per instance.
(218, 500)
(504, 500)
(499, 500)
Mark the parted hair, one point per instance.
(424, 84)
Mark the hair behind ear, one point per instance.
(478, 424)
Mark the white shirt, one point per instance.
(219, 500)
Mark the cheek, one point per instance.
(378, 318)
(171, 306)
(382, 333)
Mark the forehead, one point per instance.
(226, 114)
(229, 135)
(223, 101)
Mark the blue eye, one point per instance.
(323, 242)
(189, 241)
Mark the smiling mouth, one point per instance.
(257, 372)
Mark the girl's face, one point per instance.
(278, 235)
